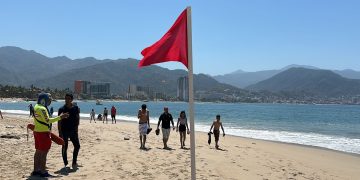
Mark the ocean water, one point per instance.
(334, 127)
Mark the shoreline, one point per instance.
(235, 136)
(200, 102)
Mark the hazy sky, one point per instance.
(228, 35)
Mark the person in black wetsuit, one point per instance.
(69, 129)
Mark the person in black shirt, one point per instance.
(31, 108)
(69, 129)
(166, 118)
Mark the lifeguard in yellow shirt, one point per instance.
(42, 130)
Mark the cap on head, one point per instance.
(44, 99)
(218, 116)
(143, 106)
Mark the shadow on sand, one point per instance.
(42, 178)
(66, 170)
(168, 149)
(145, 149)
(220, 149)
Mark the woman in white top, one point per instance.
(181, 126)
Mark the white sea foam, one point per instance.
(319, 140)
(16, 112)
(311, 139)
(122, 117)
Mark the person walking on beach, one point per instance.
(144, 124)
(42, 133)
(105, 115)
(165, 119)
(1, 115)
(92, 115)
(69, 129)
(182, 126)
(113, 114)
(31, 108)
(216, 125)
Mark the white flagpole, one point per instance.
(191, 94)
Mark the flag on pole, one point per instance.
(173, 46)
(176, 45)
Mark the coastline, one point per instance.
(200, 128)
(104, 154)
(199, 102)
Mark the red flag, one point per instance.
(173, 46)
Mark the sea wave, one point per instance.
(311, 139)
(344, 144)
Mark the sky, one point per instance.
(228, 35)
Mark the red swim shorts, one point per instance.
(42, 141)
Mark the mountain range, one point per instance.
(21, 67)
(24, 68)
(242, 79)
(312, 82)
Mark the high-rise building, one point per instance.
(136, 91)
(183, 88)
(100, 89)
(93, 89)
(81, 87)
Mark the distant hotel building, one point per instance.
(183, 88)
(92, 89)
(140, 92)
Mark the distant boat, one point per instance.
(98, 102)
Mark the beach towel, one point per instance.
(143, 129)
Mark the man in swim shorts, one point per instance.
(216, 125)
(144, 124)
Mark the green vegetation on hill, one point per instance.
(310, 82)
(29, 93)
(61, 72)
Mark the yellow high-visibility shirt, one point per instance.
(41, 114)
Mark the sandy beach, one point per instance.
(104, 154)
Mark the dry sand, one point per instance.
(104, 154)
